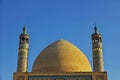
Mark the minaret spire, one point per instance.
(96, 29)
(24, 30)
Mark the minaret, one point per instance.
(23, 51)
(97, 51)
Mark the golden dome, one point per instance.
(61, 56)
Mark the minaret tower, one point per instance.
(23, 51)
(97, 51)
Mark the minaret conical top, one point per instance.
(24, 30)
(95, 28)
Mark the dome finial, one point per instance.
(24, 30)
(95, 28)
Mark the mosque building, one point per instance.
(61, 60)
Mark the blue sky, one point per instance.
(50, 20)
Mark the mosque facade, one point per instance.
(61, 60)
